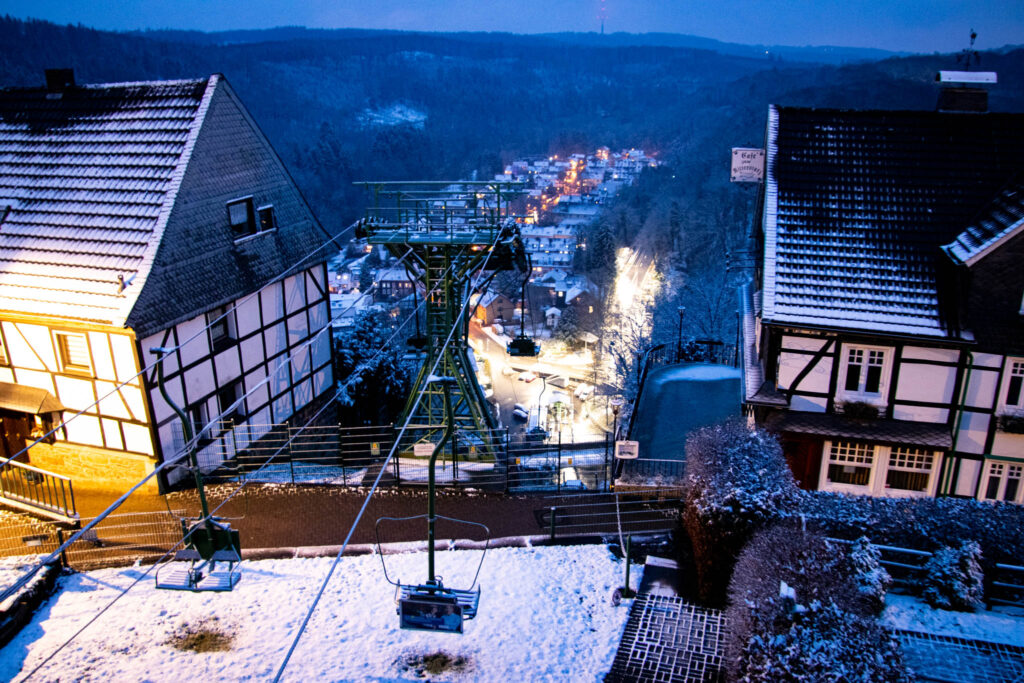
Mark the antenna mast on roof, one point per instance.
(969, 55)
(602, 15)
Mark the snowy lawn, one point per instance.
(545, 614)
(911, 614)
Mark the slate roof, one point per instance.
(897, 432)
(87, 174)
(857, 204)
(1001, 220)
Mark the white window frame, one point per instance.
(4, 358)
(1002, 469)
(881, 462)
(63, 362)
(880, 398)
(1014, 368)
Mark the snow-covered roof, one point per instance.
(89, 174)
(1000, 221)
(857, 204)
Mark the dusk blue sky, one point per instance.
(901, 25)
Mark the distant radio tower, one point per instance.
(602, 15)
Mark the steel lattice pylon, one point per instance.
(448, 232)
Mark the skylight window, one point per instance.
(242, 217)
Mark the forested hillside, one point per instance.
(343, 106)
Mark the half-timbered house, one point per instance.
(142, 215)
(884, 337)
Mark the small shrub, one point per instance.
(1012, 424)
(870, 576)
(953, 578)
(821, 630)
(859, 410)
(823, 643)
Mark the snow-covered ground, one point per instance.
(545, 615)
(911, 614)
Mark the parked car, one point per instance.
(520, 414)
(527, 376)
(584, 391)
(508, 371)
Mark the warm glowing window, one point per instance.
(850, 463)
(73, 352)
(267, 219)
(910, 469)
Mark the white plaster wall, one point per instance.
(194, 340)
(920, 414)
(199, 380)
(966, 483)
(227, 365)
(930, 383)
(76, 394)
(926, 353)
(973, 431)
(252, 352)
(981, 391)
(27, 349)
(112, 433)
(294, 293)
(803, 343)
(1010, 445)
(111, 402)
(247, 316)
(34, 378)
(102, 362)
(810, 404)
(272, 301)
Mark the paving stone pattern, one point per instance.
(668, 640)
(958, 660)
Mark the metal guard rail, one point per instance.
(38, 491)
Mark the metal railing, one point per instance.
(354, 456)
(1006, 586)
(117, 540)
(35, 490)
(608, 514)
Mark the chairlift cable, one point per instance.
(277, 278)
(188, 534)
(173, 460)
(373, 488)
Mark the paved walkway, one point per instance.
(959, 660)
(666, 638)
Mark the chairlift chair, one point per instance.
(432, 606)
(209, 561)
(523, 346)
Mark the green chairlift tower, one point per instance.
(447, 232)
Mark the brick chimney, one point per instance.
(962, 91)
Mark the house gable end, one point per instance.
(201, 262)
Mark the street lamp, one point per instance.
(679, 340)
(616, 402)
